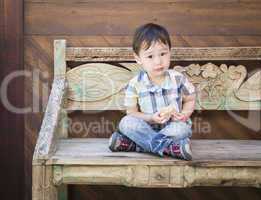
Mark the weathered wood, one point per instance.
(177, 54)
(63, 192)
(209, 124)
(50, 190)
(42, 45)
(63, 123)
(96, 81)
(37, 182)
(112, 103)
(12, 108)
(147, 1)
(59, 58)
(45, 18)
(162, 176)
(251, 89)
(62, 189)
(89, 161)
(224, 87)
(116, 103)
(100, 86)
(43, 187)
(48, 134)
(207, 153)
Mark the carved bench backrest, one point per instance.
(99, 85)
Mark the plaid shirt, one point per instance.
(151, 98)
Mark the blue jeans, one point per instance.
(154, 138)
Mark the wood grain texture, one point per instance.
(96, 81)
(12, 123)
(82, 54)
(129, 1)
(89, 161)
(251, 89)
(224, 87)
(39, 55)
(43, 187)
(98, 86)
(134, 171)
(95, 151)
(39, 182)
(59, 58)
(161, 176)
(44, 43)
(190, 18)
(206, 124)
(48, 135)
(39, 52)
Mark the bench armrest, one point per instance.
(46, 142)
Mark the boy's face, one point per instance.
(155, 60)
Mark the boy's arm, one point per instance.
(131, 103)
(189, 102)
(150, 118)
(188, 99)
(133, 111)
(187, 109)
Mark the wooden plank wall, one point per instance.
(12, 124)
(196, 23)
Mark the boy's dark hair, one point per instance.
(147, 34)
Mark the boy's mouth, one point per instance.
(159, 69)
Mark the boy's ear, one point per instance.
(137, 58)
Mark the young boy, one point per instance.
(159, 101)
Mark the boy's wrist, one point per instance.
(149, 118)
(187, 113)
(172, 109)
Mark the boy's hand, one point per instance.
(180, 116)
(167, 111)
(159, 119)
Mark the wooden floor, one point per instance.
(205, 153)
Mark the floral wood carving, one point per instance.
(221, 87)
(218, 87)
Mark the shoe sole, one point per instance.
(112, 142)
(185, 154)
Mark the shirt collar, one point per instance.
(152, 87)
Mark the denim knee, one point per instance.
(130, 123)
(177, 130)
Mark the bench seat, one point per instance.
(215, 163)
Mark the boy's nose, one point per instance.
(157, 60)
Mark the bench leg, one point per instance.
(43, 187)
(63, 192)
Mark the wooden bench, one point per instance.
(59, 160)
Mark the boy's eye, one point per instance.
(163, 54)
(150, 56)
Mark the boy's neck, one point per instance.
(158, 80)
